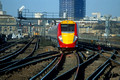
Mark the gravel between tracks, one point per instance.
(93, 66)
(70, 62)
(12, 49)
(29, 71)
(25, 73)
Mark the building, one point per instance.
(1, 11)
(74, 9)
(39, 15)
(7, 24)
(0, 6)
(97, 14)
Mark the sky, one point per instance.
(111, 7)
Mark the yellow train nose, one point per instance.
(67, 38)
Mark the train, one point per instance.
(66, 33)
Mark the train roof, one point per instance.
(67, 22)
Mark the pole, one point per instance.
(107, 27)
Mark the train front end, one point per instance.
(67, 34)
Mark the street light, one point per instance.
(20, 11)
(107, 27)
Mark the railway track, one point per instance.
(49, 69)
(15, 56)
(12, 47)
(31, 66)
(29, 51)
(114, 70)
(53, 60)
(21, 63)
(9, 45)
(60, 67)
(105, 70)
(70, 71)
(11, 55)
(4, 45)
(88, 63)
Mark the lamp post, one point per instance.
(107, 27)
(20, 11)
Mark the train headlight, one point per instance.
(75, 38)
(60, 37)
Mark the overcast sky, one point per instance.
(103, 6)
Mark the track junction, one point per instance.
(39, 59)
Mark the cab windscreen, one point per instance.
(67, 27)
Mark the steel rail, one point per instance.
(82, 55)
(82, 65)
(90, 59)
(111, 59)
(115, 61)
(97, 76)
(26, 64)
(113, 55)
(77, 71)
(41, 72)
(11, 65)
(90, 56)
(65, 75)
(50, 75)
(26, 59)
(12, 56)
(4, 45)
(33, 50)
(99, 70)
(15, 54)
(38, 40)
(1, 50)
(94, 74)
(6, 64)
(9, 54)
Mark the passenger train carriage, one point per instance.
(67, 34)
